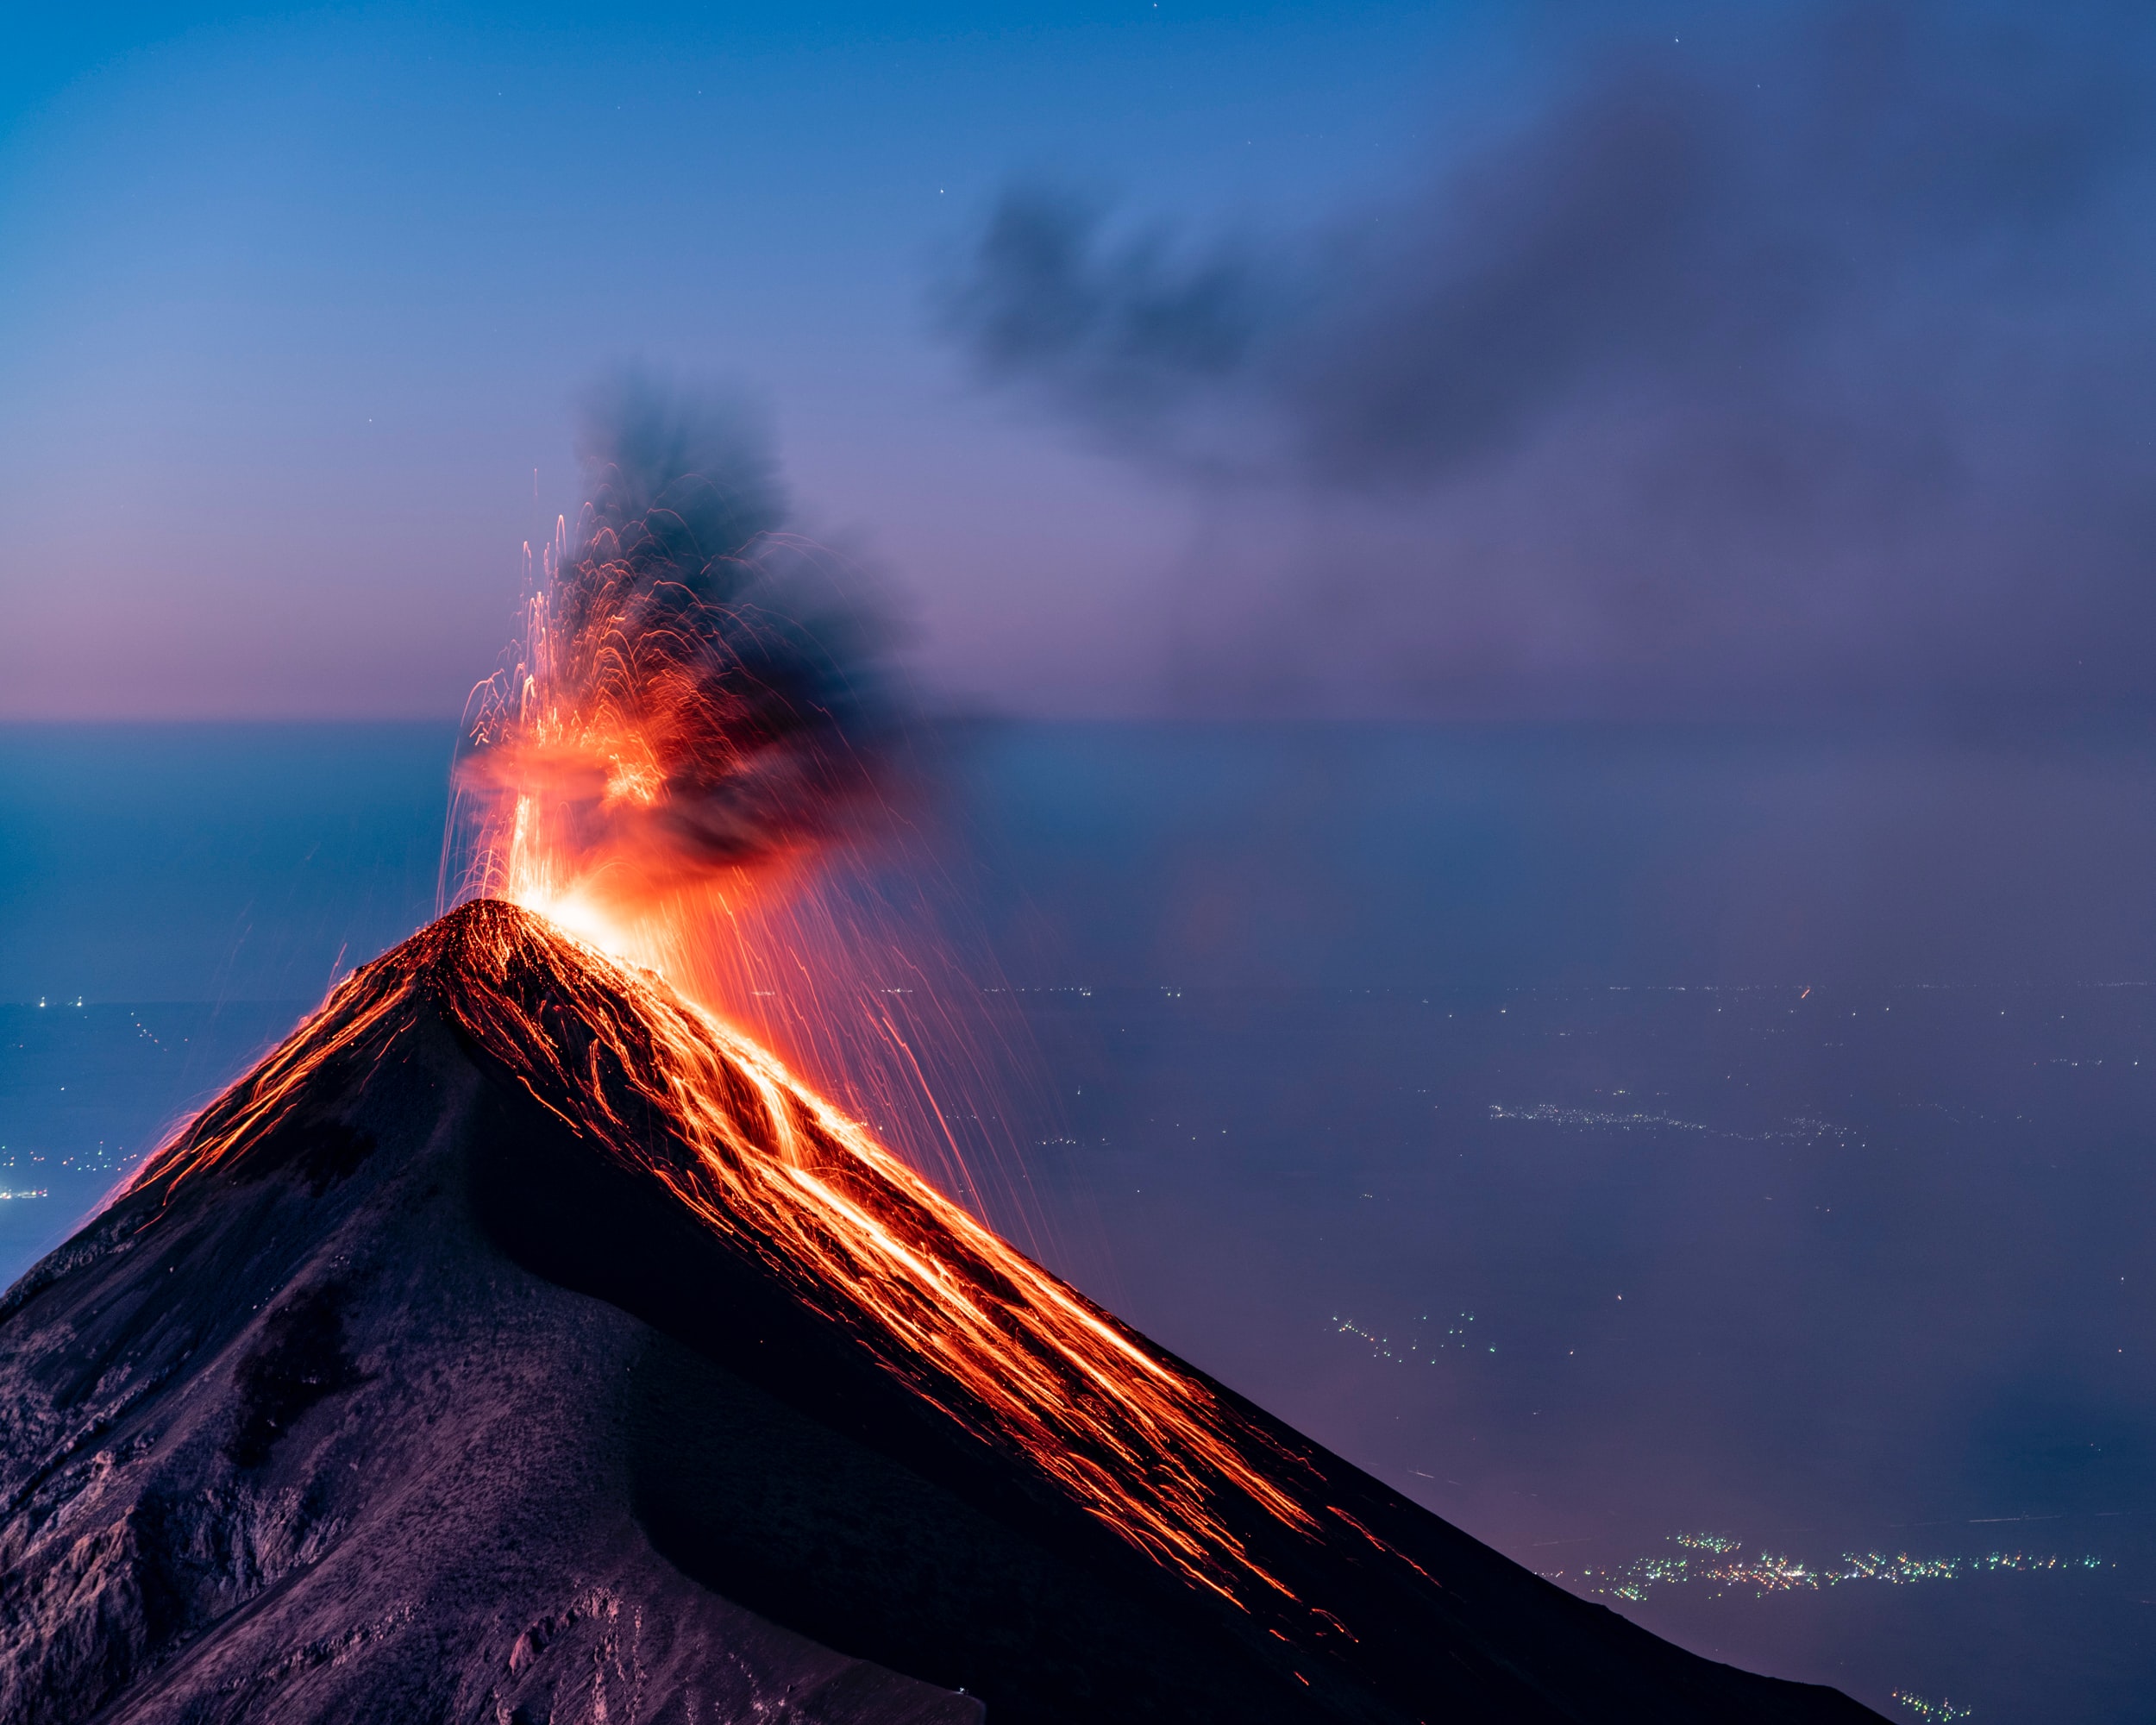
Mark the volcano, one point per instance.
(519, 1344)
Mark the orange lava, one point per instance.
(999, 1344)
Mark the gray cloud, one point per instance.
(1809, 368)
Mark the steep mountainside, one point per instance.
(514, 1346)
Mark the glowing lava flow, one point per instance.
(996, 1342)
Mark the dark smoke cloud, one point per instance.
(1815, 367)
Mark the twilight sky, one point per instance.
(1475, 360)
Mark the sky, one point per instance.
(1155, 361)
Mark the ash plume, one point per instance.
(700, 690)
(1793, 357)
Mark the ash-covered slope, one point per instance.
(513, 1346)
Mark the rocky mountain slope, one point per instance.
(451, 1369)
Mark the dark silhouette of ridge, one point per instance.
(398, 1389)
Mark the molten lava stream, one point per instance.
(999, 1344)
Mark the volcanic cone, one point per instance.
(519, 1344)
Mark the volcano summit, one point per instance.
(517, 1343)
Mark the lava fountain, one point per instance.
(695, 715)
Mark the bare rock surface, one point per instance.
(309, 1446)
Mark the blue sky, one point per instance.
(1527, 414)
(295, 302)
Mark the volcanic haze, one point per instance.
(428, 1378)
